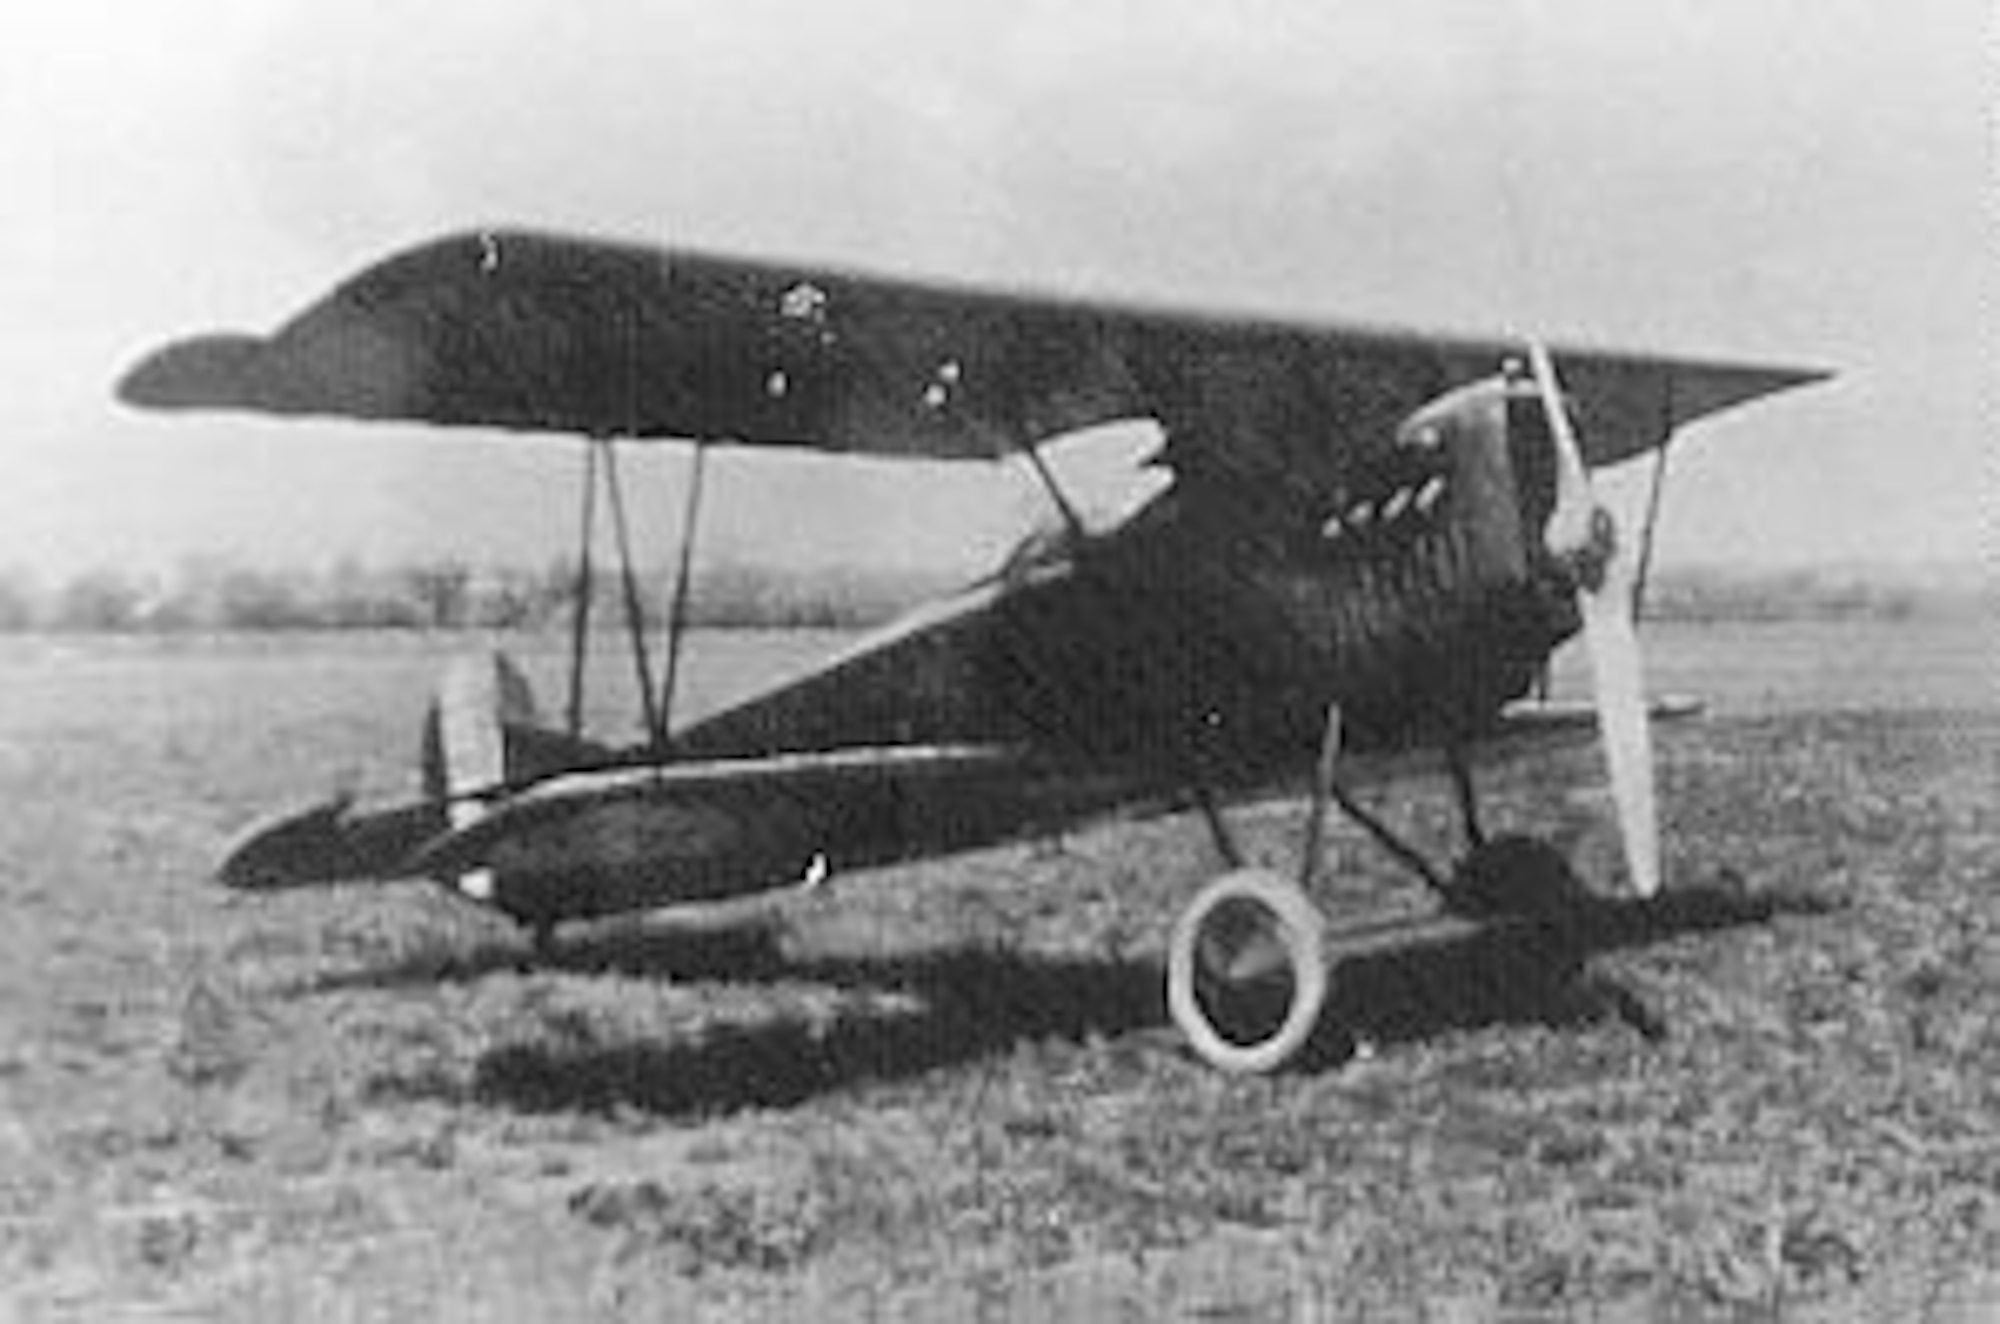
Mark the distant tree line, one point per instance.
(220, 594)
(1718, 594)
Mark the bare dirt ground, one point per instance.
(949, 1091)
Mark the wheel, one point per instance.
(1246, 971)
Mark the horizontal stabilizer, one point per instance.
(331, 842)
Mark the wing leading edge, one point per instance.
(542, 333)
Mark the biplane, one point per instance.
(1371, 543)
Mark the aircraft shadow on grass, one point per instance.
(978, 1002)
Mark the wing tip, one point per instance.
(1776, 380)
(1790, 377)
(1699, 389)
(211, 371)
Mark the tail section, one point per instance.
(465, 760)
(480, 744)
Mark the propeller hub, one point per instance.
(1583, 556)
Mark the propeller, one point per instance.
(1580, 534)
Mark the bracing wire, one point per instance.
(586, 588)
(1651, 528)
(628, 575)
(683, 577)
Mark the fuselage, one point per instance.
(1219, 621)
(1198, 645)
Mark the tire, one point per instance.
(1248, 1022)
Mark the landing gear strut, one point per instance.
(1247, 975)
(1247, 972)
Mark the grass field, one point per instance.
(948, 1091)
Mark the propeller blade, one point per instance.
(1569, 529)
(1576, 533)
(1623, 725)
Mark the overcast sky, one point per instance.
(1792, 180)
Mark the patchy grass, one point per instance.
(950, 1089)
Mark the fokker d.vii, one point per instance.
(1372, 541)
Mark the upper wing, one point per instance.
(543, 333)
